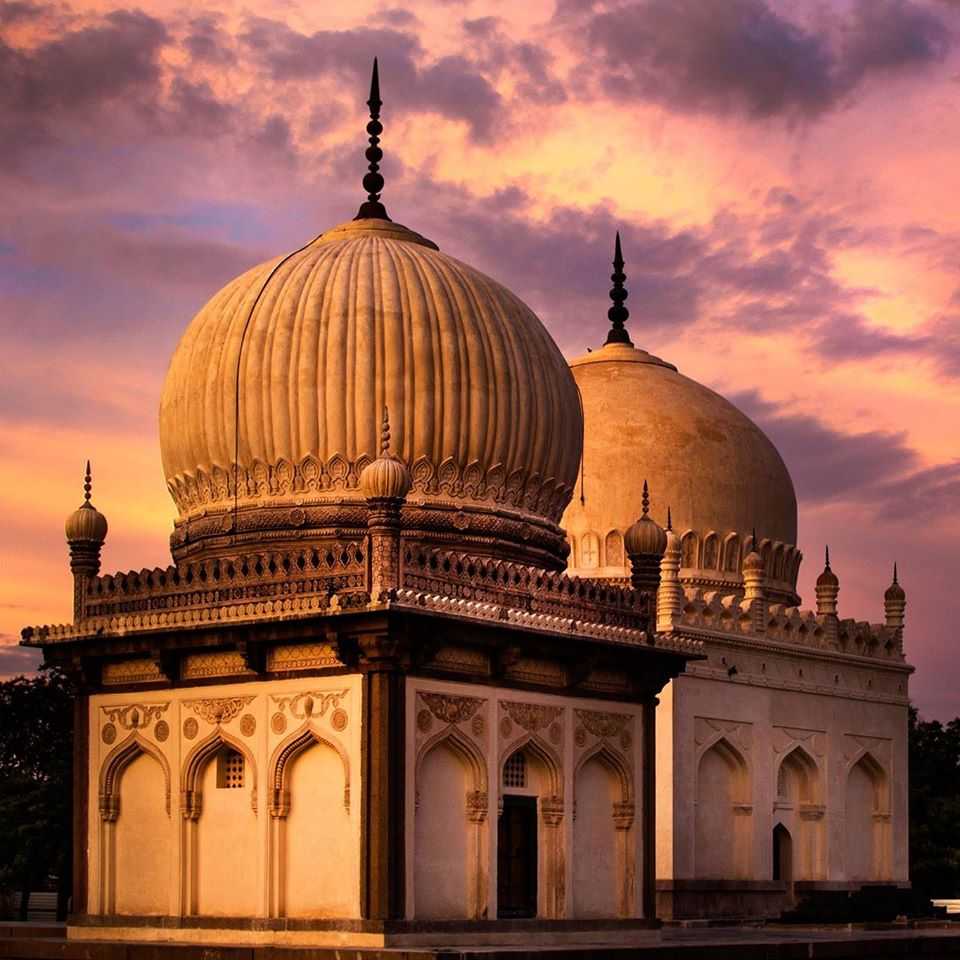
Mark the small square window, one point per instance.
(229, 769)
(515, 771)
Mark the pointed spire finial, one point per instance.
(669, 520)
(372, 208)
(895, 573)
(826, 565)
(385, 433)
(618, 313)
(87, 484)
(755, 544)
(646, 498)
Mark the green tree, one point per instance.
(935, 806)
(36, 752)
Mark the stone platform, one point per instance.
(48, 942)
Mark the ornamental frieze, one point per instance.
(448, 708)
(218, 710)
(134, 716)
(607, 726)
(311, 703)
(532, 717)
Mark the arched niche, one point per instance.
(800, 805)
(603, 844)
(135, 842)
(450, 823)
(589, 551)
(867, 820)
(544, 783)
(311, 824)
(731, 553)
(221, 852)
(690, 550)
(724, 813)
(613, 549)
(711, 552)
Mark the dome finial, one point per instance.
(87, 484)
(385, 433)
(372, 208)
(895, 580)
(618, 313)
(669, 520)
(826, 563)
(646, 498)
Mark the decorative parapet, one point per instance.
(731, 614)
(524, 588)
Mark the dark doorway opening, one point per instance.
(517, 858)
(782, 854)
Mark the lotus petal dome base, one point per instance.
(271, 406)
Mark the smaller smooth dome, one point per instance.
(894, 593)
(828, 579)
(86, 523)
(753, 563)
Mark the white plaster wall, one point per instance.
(143, 850)
(764, 721)
(555, 750)
(441, 860)
(595, 891)
(232, 859)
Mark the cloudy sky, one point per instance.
(785, 178)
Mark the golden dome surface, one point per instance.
(717, 471)
(281, 378)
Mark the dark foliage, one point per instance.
(36, 738)
(935, 806)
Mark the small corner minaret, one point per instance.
(754, 583)
(894, 607)
(618, 313)
(827, 588)
(670, 591)
(86, 529)
(372, 208)
(646, 542)
(385, 483)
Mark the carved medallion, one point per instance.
(218, 710)
(278, 723)
(424, 720)
(477, 726)
(451, 709)
(248, 724)
(338, 719)
(506, 727)
(162, 730)
(190, 728)
(580, 737)
(555, 733)
(531, 716)
(109, 733)
(626, 741)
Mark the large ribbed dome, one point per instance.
(309, 350)
(717, 471)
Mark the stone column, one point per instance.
(670, 592)
(382, 873)
(754, 582)
(649, 811)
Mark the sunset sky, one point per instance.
(786, 179)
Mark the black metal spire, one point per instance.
(372, 208)
(618, 313)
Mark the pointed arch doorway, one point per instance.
(783, 857)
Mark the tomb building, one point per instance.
(365, 706)
(782, 756)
